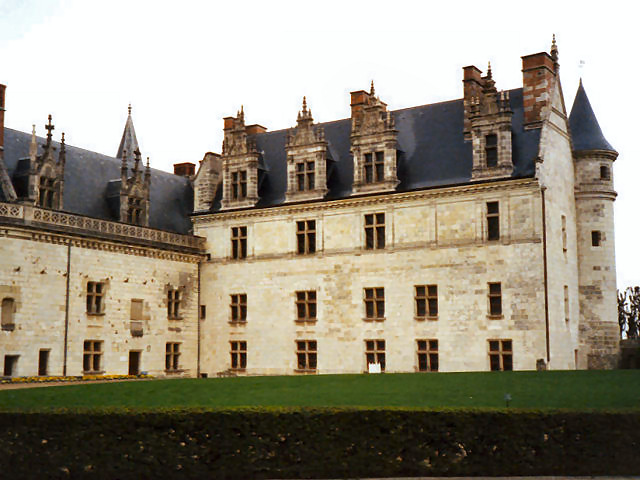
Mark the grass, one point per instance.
(578, 390)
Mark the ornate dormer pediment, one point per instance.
(488, 120)
(135, 191)
(306, 150)
(373, 144)
(240, 162)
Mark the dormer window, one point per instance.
(491, 150)
(46, 194)
(239, 185)
(305, 175)
(373, 167)
(134, 212)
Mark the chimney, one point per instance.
(538, 75)
(185, 169)
(2, 89)
(228, 122)
(472, 85)
(359, 99)
(255, 129)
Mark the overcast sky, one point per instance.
(185, 65)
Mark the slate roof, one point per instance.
(432, 151)
(585, 130)
(129, 142)
(87, 176)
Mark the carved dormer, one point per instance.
(45, 179)
(306, 159)
(488, 120)
(134, 191)
(373, 144)
(240, 160)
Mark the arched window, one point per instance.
(8, 307)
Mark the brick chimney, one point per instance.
(185, 169)
(255, 129)
(2, 89)
(359, 99)
(472, 84)
(538, 78)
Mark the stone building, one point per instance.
(473, 234)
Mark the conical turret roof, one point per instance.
(585, 130)
(129, 142)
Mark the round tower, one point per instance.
(598, 332)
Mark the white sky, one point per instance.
(186, 65)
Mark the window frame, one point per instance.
(494, 291)
(92, 357)
(374, 304)
(238, 355)
(306, 302)
(375, 349)
(493, 220)
(172, 357)
(46, 192)
(238, 307)
(491, 150)
(95, 300)
(305, 175)
(375, 231)
(426, 299)
(306, 237)
(502, 356)
(7, 314)
(427, 355)
(306, 356)
(238, 183)
(596, 238)
(373, 167)
(239, 242)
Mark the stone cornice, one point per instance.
(370, 200)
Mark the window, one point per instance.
(566, 303)
(374, 303)
(239, 185)
(134, 212)
(596, 238)
(493, 221)
(500, 355)
(203, 312)
(374, 231)
(374, 352)
(92, 356)
(491, 150)
(373, 167)
(239, 307)
(238, 355)
(427, 355)
(564, 233)
(8, 309)
(605, 173)
(426, 301)
(136, 325)
(306, 236)
(45, 195)
(495, 299)
(307, 355)
(305, 175)
(172, 357)
(95, 298)
(306, 306)
(238, 242)
(173, 303)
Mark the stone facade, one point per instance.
(470, 235)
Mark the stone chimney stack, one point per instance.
(359, 99)
(185, 169)
(538, 76)
(472, 83)
(2, 89)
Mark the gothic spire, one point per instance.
(129, 142)
(554, 53)
(62, 155)
(372, 92)
(49, 127)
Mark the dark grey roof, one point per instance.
(432, 151)
(585, 130)
(87, 176)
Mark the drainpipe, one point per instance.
(546, 279)
(199, 320)
(66, 310)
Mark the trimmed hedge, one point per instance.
(317, 443)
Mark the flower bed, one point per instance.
(79, 378)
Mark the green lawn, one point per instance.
(542, 390)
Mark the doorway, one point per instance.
(134, 362)
(10, 365)
(43, 363)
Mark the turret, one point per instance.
(594, 195)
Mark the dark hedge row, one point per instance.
(328, 443)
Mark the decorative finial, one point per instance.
(373, 90)
(62, 139)
(489, 75)
(129, 109)
(304, 104)
(554, 53)
(49, 128)
(148, 163)
(33, 148)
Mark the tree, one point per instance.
(629, 312)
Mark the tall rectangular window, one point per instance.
(495, 299)
(238, 307)
(564, 233)
(173, 303)
(427, 355)
(239, 185)
(306, 175)
(307, 355)
(306, 236)
(596, 238)
(134, 211)
(374, 303)
(306, 306)
(566, 303)
(493, 221)
(238, 355)
(374, 351)
(92, 356)
(172, 357)
(605, 173)
(426, 297)
(373, 167)
(374, 231)
(8, 309)
(46, 192)
(491, 150)
(238, 242)
(500, 355)
(95, 297)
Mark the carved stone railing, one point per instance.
(30, 215)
